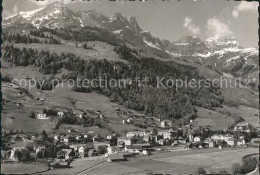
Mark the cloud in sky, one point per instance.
(15, 9)
(188, 24)
(218, 28)
(244, 6)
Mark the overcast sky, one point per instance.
(171, 19)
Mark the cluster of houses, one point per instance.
(221, 140)
(96, 145)
(228, 139)
(79, 114)
(118, 148)
(242, 127)
(43, 116)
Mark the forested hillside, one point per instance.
(168, 103)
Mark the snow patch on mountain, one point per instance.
(227, 50)
(112, 19)
(182, 44)
(27, 14)
(151, 45)
(223, 42)
(174, 53)
(227, 75)
(251, 51)
(117, 31)
(208, 54)
(232, 59)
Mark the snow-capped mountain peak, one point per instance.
(57, 5)
(29, 14)
(53, 16)
(222, 42)
(26, 15)
(187, 45)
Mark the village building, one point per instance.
(5, 155)
(92, 152)
(42, 100)
(209, 142)
(14, 153)
(135, 133)
(221, 137)
(66, 154)
(182, 141)
(41, 116)
(134, 149)
(56, 137)
(147, 138)
(83, 151)
(109, 137)
(104, 144)
(71, 130)
(146, 152)
(188, 145)
(242, 127)
(40, 149)
(157, 137)
(20, 93)
(116, 157)
(76, 146)
(78, 137)
(175, 143)
(123, 141)
(67, 139)
(190, 135)
(60, 114)
(19, 137)
(241, 142)
(216, 137)
(166, 123)
(97, 138)
(230, 142)
(129, 120)
(59, 164)
(147, 132)
(80, 115)
(161, 142)
(112, 149)
(255, 141)
(137, 148)
(197, 139)
(129, 112)
(139, 116)
(13, 86)
(167, 134)
(101, 116)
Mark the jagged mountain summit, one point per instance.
(222, 42)
(187, 45)
(54, 15)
